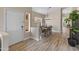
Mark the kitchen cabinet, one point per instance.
(3, 41)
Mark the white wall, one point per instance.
(14, 20)
(35, 14)
(55, 16)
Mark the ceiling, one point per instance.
(42, 10)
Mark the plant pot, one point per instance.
(76, 37)
(72, 42)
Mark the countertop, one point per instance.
(3, 34)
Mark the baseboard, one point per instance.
(27, 38)
(35, 38)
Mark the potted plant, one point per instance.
(73, 17)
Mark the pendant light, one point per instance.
(46, 17)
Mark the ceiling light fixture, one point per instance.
(46, 17)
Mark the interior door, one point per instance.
(14, 25)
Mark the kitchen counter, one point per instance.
(3, 33)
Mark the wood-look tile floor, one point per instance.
(55, 42)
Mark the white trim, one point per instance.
(30, 37)
(29, 22)
(5, 19)
(27, 38)
(35, 38)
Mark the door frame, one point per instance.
(28, 21)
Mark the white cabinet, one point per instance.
(35, 33)
(0, 44)
(3, 41)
